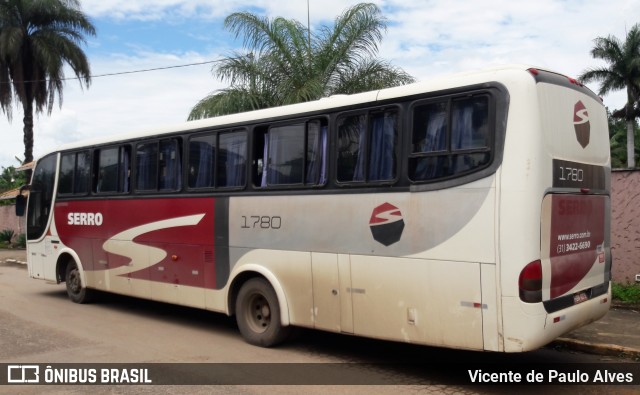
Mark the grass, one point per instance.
(627, 293)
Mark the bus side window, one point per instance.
(202, 153)
(293, 155)
(74, 173)
(169, 166)
(231, 159)
(147, 166)
(382, 148)
(108, 171)
(82, 172)
(159, 166)
(316, 173)
(470, 139)
(65, 179)
(124, 171)
(351, 143)
(112, 170)
(450, 138)
(218, 160)
(367, 147)
(285, 155)
(430, 125)
(259, 155)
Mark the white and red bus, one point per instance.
(470, 212)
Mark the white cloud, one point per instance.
(156, 10)
(153, 10)
(60, 128)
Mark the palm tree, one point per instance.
(288, 64)
(623, 72)
(37, 38)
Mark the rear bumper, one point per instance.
(529, 326)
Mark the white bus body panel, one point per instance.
(351, 283)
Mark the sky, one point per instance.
(427, 38)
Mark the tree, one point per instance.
(286, 63)
(623, 72)
(37, 38)
(11, 179)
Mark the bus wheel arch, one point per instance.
(64, 259)
(260, 308)
(71, 273)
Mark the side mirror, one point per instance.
(21, 205)
(21, 201)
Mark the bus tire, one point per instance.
(258, 314)
(76, 291)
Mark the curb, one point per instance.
(625, 306)
(611, 350)
(15, 261)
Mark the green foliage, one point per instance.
(11, 179)
(285, 63)
(6, 235)
(628, 293)
(21, 241)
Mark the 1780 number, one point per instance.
(261, 222)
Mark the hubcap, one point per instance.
(259, 313)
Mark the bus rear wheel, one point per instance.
(75, 289)
(258, 314)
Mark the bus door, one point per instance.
(332, 302)
(39, 208)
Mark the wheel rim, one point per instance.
(258, 313)
(74, 281)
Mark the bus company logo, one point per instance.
(85, 219)
(386, 224)
(581, 124)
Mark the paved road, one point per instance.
(38, 324)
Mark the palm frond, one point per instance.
(284, 65)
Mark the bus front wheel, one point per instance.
(258, 314)
(75, 289)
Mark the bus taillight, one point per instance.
(530, 282)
